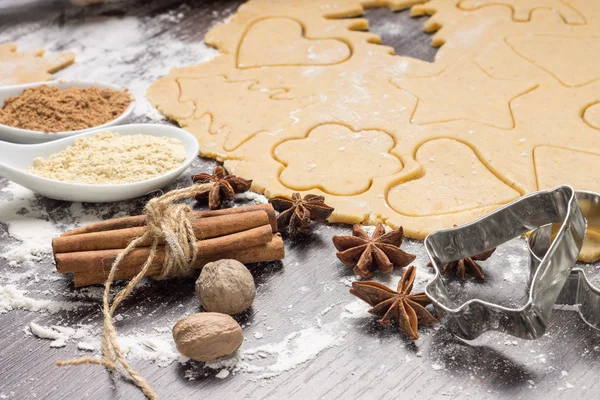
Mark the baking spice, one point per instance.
(224, 189)
(408, 309)
(169, 228)
(167, 221)
(207, 336)
(297, 212)
(152, 341)
(467, 265)
(366, 254)
(225, 286)
(50, 109)
(108, 158)
(247, 234)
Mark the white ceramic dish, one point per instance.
(27, 136)
(15, 159)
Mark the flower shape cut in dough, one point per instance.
(337, 160)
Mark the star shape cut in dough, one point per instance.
(464, 91)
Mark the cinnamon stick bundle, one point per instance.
(270, 251)
(247, 234)
(204, 228)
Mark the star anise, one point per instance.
(224, 188)
(366, 254)
(408, 309)
(297, 212)
(467, 265)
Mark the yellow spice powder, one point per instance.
(108, 158)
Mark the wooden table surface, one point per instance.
(308, 289)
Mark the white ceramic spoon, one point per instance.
(17, 135)
(15, 159)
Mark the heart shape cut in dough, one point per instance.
(281, 42)
(455, 180)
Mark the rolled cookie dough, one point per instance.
(304, 97)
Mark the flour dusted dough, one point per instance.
(303, 97)
(18, 67)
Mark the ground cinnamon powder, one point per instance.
(50, 109)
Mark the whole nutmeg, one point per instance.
(225, 286)
(207, 336)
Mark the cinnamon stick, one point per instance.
(140, 220)
(270, 251)
(204, 228)
(89, 261)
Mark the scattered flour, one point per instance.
(304, 289)
(437, 367)
(143, 346)
(347, 280)
(224, 373)
(356, 310)
(12, 298)
(369, 229)
(159, 349)
(391, 28)
(329, 308)
(31, 223)
(276, 358)
(252, 196)
(569, 385)
(86, 346)
(58, 334)
(28, 225)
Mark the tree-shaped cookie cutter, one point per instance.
(578, 289)
(473, 317)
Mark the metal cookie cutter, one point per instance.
(470, 319)
(578, 289)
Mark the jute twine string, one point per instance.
(166, 222)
